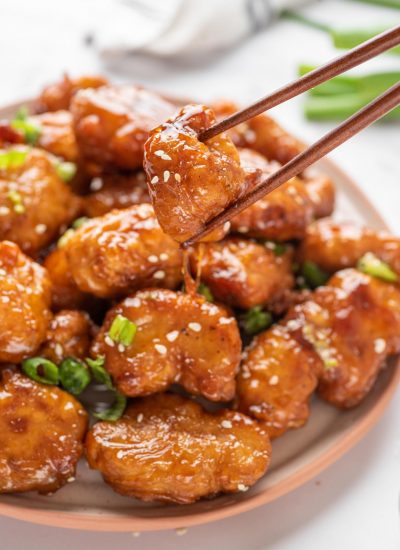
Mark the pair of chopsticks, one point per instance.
(349, 128)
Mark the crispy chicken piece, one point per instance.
(113, 123)
(24, 304)
(116, 190)
(41, 435)
(56, 134)
(281, 215)
(168, 448)
(342, 335)
(336, 245)
(189, 181)
(58, 96)
(123, 251)
(69, 335)
(64, 292)
(277, 378)
(180, 338)
(365, 332)
(35, 205)
(242, 273)
(261, 133)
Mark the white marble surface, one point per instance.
(354, 504)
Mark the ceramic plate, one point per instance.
(297, 457)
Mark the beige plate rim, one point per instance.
(126, 523)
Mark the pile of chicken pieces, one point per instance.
(142, 184)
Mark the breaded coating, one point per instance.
(277, 378)
(64, 292)
(116, 190)
(112, 123)
(180, 338)
(123, 251)
(337, 245)
(190, 182)
(261, 133)
(41, 435)
(168, 448)
(24, 304)
(279, 216)
(69, 335)
(35, 205)
(342, 335)
(58, 96)
(242, 273)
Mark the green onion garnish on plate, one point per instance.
(372, 265)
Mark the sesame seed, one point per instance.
(178, 177)
(167, 174)
(162, 350)
(58, 350)
(3, 272)
(181, 531)
(120, 454)
(4, 210)
(96, 184)
(225, 320)
(164, 257)
(242, 487)
(254, 383)
(273, 380)
(172, 336)
(379, 345)
(121, 348)
(109, 341)
(152, 259)
(139, 417)
(159, 274)
(159, 153)
(243, 229)
(70, 479)
(166, 157)
(155, 179)
(226, 424)
(227, 226)
(40, 228)
(196, 327)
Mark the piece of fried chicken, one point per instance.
(41, 435)
(24, 304)
(122, 251)
(339, 338)
(180, 338)
(189, 181)
(167, 448)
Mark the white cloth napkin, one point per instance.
(178, 28)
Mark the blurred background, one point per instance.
(240, 50)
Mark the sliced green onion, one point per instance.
(74, 375)
(76, 224)
(29, 129)
(41, 370)
(205, 291)
(66, 170)
(65, 237)
(116, 410)
(12, 158)
(122, 331)
(99, 372)
(255, 320)
(371, 265)
(313, 275)
(16, 200)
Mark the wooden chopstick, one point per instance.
(350, 127)
(367, 50)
